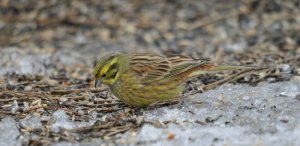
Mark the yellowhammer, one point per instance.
(143, 79)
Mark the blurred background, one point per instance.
(41, 37)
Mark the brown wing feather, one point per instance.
(150, 67)
(181, 64)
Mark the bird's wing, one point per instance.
(150, 67)
(181, 64)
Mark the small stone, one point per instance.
(63, 99)
(15, 107)
(31, 123)
(271, 80)
(247, 78)
(28, 88)
(285, 68)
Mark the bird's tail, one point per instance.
(228, 67)
(209, 68)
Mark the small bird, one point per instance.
(143, 79)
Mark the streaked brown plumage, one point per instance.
(143, 79)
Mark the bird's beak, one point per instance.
(97, 83)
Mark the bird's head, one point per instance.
(108, 69)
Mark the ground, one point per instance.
(49, 49)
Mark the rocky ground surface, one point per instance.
(48, 50)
